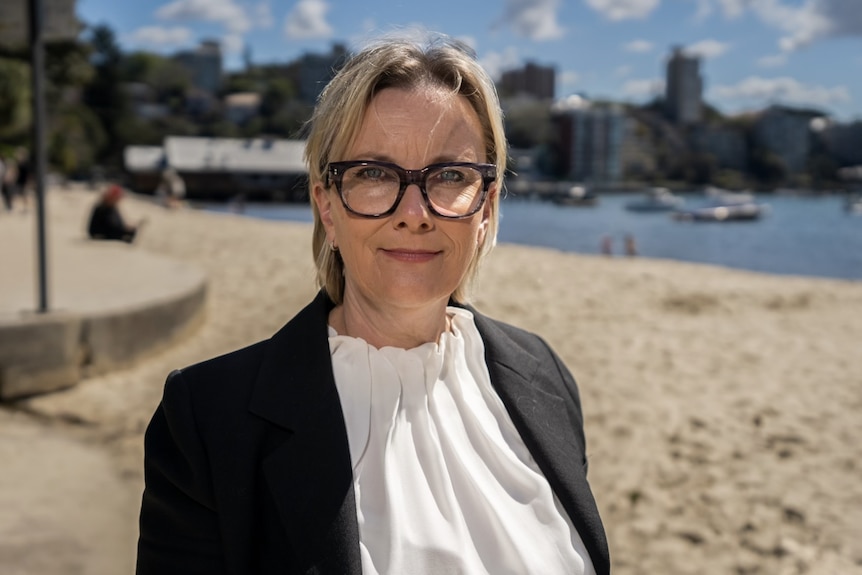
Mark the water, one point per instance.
(809, 236)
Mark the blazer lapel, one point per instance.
(309, 474)
(548, 427)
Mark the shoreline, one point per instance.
(721, 405)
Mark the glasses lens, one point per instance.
(370, 190)
(454, 190)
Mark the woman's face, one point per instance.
(411, 258)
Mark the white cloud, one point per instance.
(534, 19)
(263, 15)
(788, 90)
(773, 61)
(232, 43)
(802, 22)
(707, 48)
(468, 41)
(732, 8)
(495, 63)
(623, 9)
(307, 20)
(224, 12)
(638, 46)
(623, 71)
(159, 37)
(643, 88)
(568, 78)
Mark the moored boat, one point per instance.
(724, 206)
(655, 200)
(576, 196)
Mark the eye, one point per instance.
(370, 173)
(451, 175)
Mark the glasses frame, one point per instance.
(335, 172)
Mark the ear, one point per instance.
(486, 214)
(323, 201)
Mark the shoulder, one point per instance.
(500, 333)
(216, 387)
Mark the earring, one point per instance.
(332, 246)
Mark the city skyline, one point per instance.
(802, 53)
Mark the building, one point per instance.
(240, 107)
(223, 168)
(314, 71)
(638, 149)
(683, 88)
(726, 144)
(532, 80)
(204, 65)
(590, 139)
(786, 132)
(844, 142)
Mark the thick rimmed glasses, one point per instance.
(374, 189)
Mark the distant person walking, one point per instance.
(172, 189)
(5, 189)
(106, 222)
(22, 179)
(607, 245)
(630, 246)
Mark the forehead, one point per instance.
(419, 122)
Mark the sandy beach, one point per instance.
(723, 408)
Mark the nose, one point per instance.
(412, 210)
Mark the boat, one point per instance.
(724, 206)
(656, 200)
(853, 204)
(576, 196)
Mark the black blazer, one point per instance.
(247, 464)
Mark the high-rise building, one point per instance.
(590, 140)
(786, 132)
(204, 64)
(314, 71)
(683, 88)
(531, 80)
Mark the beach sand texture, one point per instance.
(723, 408)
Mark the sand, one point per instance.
(723, 408)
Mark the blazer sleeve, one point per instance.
(577, 413)
(179, 531)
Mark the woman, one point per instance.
(388, 427)
(106, 222)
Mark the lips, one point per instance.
(410, 255)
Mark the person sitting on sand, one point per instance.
(106, 222)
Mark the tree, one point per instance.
(528, 125)
(15, 108)
(767, 167)
(104, 94)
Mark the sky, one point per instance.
(802, 53)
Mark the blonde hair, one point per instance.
(436, 62)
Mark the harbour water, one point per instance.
(800, 235)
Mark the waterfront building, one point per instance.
(312, 72)
(240, 107)
(844, 142)
(683, 88)
(223, 168)
(531, 80)
(786, 132)
(726, 144)
(590, 138)
(204, 65)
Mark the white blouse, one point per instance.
(443, 481)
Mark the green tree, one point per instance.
(104, 94)
(15, 108)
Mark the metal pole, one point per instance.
(37, 155)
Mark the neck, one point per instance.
(390, 327)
